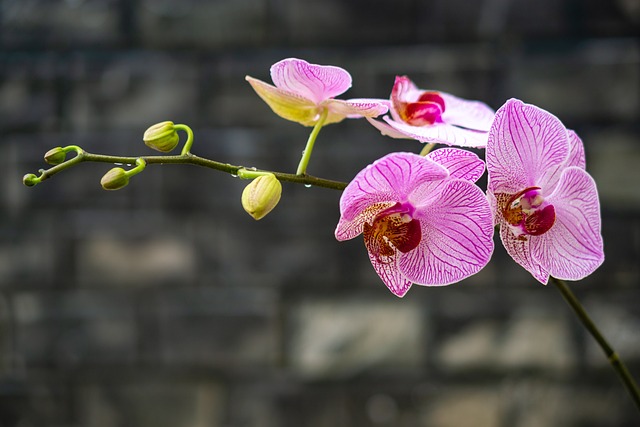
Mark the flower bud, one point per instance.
(115, 179)
(161, 137)
(55, 156)
(30, 180)
(261, 196)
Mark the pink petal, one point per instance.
(575, 158)
(572, 249)
(474, 115)
(353, 108)
(314, 82)
(526, 147)
(404, 90)
(387, 130)
(380, 185)
(576, 151)
(347, 229)
(440, 133)
(391, 275)
(285, 104)
(462, 164)
(457, 230)
(520, 251)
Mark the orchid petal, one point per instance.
(457, 230)
(473, 115)
(462, 164)
(314, 82)
(572, 249)
(404, 90)
(353, 108)
(576, 151)
(390, 274)
(520, 251)
(347, 229)
(439, 133)
(387, 179)
(285, 104)
(575, 158)
(526, 147)
(387, 130)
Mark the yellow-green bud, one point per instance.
(55, 156)
(115, 179)
(162, 137)
(30, 180)
(261, 196)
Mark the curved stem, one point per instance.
(187, 145)
(189, 159)
(306, 154)
(612, 356)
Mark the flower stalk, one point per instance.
(83, 156)
(614, 359)
(306, 154)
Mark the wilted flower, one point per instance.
(544, 201)
(434, 117)
(423, 219)
(303, 90)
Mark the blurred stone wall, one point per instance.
(164, 304)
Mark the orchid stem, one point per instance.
(613, 357)
(186, 149)
(306, 154)
(188, 158)
(427, 148)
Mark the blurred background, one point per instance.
(165, 304)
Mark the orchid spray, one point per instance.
(423, 218)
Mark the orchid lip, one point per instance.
(392, 230)
(528, 214)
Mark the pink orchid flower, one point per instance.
(423, 219)
(303, 90)
(434, 117)
(543, 199)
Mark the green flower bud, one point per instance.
(162, 137)
(30, 180)
(115, 179)
(261, 196)
(55, 156)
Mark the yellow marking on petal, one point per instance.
(285, 104)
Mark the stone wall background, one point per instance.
(164, 304)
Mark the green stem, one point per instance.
(612, 356)
(189, 159)
(306, 154)
(187, 145)
(251, 173)
(427, 148)
(140, 165)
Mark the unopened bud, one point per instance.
(261, 196)
(30, 180)
(55, 156)
(162, 137)
(115, 179)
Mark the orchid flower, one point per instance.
(304, 91)
(434, 117)
(423, 219)
(543, 199)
